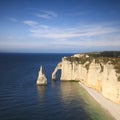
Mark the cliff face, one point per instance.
(59, 65)
(97, 73)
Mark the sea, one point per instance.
(22, 99)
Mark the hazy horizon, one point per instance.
(59, 26)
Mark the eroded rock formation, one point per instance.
(42, 80)
(99, 73)
(58, 67)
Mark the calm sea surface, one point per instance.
(21, 99)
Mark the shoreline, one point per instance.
(112, 108)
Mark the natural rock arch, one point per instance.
(58, 67)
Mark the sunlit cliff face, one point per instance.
(99, 73)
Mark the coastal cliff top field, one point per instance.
(111, 57)
(111, 54)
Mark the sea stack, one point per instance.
(42, 80)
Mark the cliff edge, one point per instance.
(99, 71)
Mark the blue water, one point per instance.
(21, 99)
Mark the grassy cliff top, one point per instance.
(100, 57)
(106, 56)
(111, 54)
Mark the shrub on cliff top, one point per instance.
(113, 54)
(98, 59)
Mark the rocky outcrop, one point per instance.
(58, 67)
(100, 73)
(42, 80)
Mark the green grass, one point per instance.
(100, 57)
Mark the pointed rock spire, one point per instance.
(42, 80)
(41, 70)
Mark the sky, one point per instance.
(59, 26)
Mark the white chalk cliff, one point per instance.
(42, 80)
(97, 73)
(59, 65)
